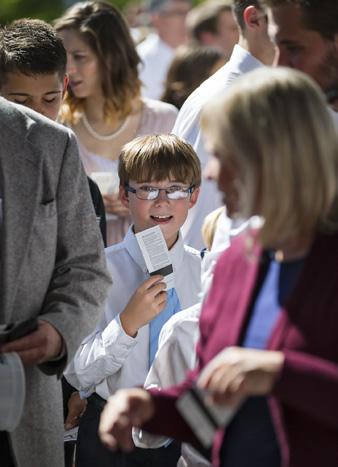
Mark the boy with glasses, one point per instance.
(160, 177)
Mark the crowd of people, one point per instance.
(212, 139)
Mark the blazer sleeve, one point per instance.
(80, 281)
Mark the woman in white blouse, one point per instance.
(103, 104)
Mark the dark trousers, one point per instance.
(90, 452)
(6, 459)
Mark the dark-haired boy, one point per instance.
(33, 73)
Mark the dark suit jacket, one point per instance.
(304, 400)
(99, 208)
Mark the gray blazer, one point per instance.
(52, 263)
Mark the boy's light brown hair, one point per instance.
(158, 157)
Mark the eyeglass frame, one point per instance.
(133, 190)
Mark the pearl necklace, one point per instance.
(99, 137)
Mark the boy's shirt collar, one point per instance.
(175, 253)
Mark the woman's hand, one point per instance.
(237, 373)
(127, 408)
(114, 206)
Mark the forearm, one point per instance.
(167, 421)
(102, 354)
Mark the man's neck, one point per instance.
(257, 49)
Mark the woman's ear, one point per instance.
(123, 196)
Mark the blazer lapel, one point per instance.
(20, 197)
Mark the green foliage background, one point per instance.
(42, 9)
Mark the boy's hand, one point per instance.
(125, 409)
(146, 303)
(76, 408)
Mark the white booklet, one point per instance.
(156, 255)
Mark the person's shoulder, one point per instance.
(182, 323)
(188, 119)
(245, 248)
(17, 117)
(148, 46)
(211, 86)
(192, 255)
(23, 126)
(157, 117)
(159, 107)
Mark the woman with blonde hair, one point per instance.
(103, 104)
(269, 326)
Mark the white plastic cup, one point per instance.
(12, 391)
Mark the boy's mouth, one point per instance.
(161, 219)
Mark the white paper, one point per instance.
(70, 435)
(156, 255)
(204, 417)
(204, 430)
(108, 182)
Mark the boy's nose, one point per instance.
(162, 196)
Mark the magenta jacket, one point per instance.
(304, 401)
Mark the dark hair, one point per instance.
(205, 17)
(238, 8)
(190, 67)
(157, 157)
(31, 47)
(105, 31)
(318, 15)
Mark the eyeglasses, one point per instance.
(150, 193)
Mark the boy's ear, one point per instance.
(123, 196)
(65, 85)
(194, 197)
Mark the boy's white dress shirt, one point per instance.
(109, 359)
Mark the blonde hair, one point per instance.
(157, 157)
(275, 125)
(209, 226)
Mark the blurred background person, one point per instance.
(103, 104)
(254, 49)
(306, 35)
(190, 67)
(158, 49)
(212, 24)
(270, 317)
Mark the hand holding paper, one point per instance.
(147, 302)
(237, 373)
(226, 381)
